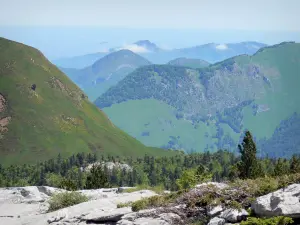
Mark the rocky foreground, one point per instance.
(29, 205)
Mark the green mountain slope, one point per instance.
(54, 118)
(212, 106)
(105, 72)
(192, 63)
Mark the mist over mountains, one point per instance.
(209, 52)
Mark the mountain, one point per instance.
(42, 113)
(105, 72)
(192, 63)
(209, 108)
(149, 46)
(217, 52)
(209, 52)
(79, 62)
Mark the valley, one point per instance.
(209, 108)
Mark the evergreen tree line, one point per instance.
(170, 173)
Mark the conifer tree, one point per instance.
(96, 178)
(295, 164)
(249, 166)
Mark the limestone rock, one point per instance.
(216, 221)
(213, 211)
(216, 184)
(284, 202)
(234, 215)
(107, 216)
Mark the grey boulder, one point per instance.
(284, 202)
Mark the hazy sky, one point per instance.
(63, 28)
(213, 14)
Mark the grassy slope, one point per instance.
(52, 120)
(161, 123)
(280, 64)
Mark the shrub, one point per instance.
(122, 205)
(157, 189)
(66, 199)
(154, 201)
(236, 205)
(97, 178)
(68, 184)
(187, 180)
(279, 220)
(257, 187)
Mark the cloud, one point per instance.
(135, 48)
(165, 47)
(222, 47)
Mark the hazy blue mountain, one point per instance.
(79, 62)
(211, 53)
(148, 45)
(192, 63)
(105, 72)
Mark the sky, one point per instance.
(62, 28)
(213, 14)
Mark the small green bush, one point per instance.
(279, 220)
(236, 205)
(157, 189)
(257, 187)
(154, 201)
(123, 205)
(66, 199)
(139, 205)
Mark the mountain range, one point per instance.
(43, 113)
(211, 53)
(209, 108)
(192, 63)
(105, 72)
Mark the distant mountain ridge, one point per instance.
(209, 52)
(209, 108)
(148, 45)
(192, 63)
(105, 72)
(79, 62)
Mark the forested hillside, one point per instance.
(209, 108)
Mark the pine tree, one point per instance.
(295, 164)
(248, 167)
(97, 178)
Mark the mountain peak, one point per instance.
(55, 114)
(148, 45)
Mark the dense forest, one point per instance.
(166, 172)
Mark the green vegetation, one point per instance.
(123, 205)
(159, 189)
(191, 177)
(96, 178)
(249, 167)
(65, 199)
(214, 104)
(154, 201)
(54, 117)
(279, 220)
(192, 63)
(179, 172)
